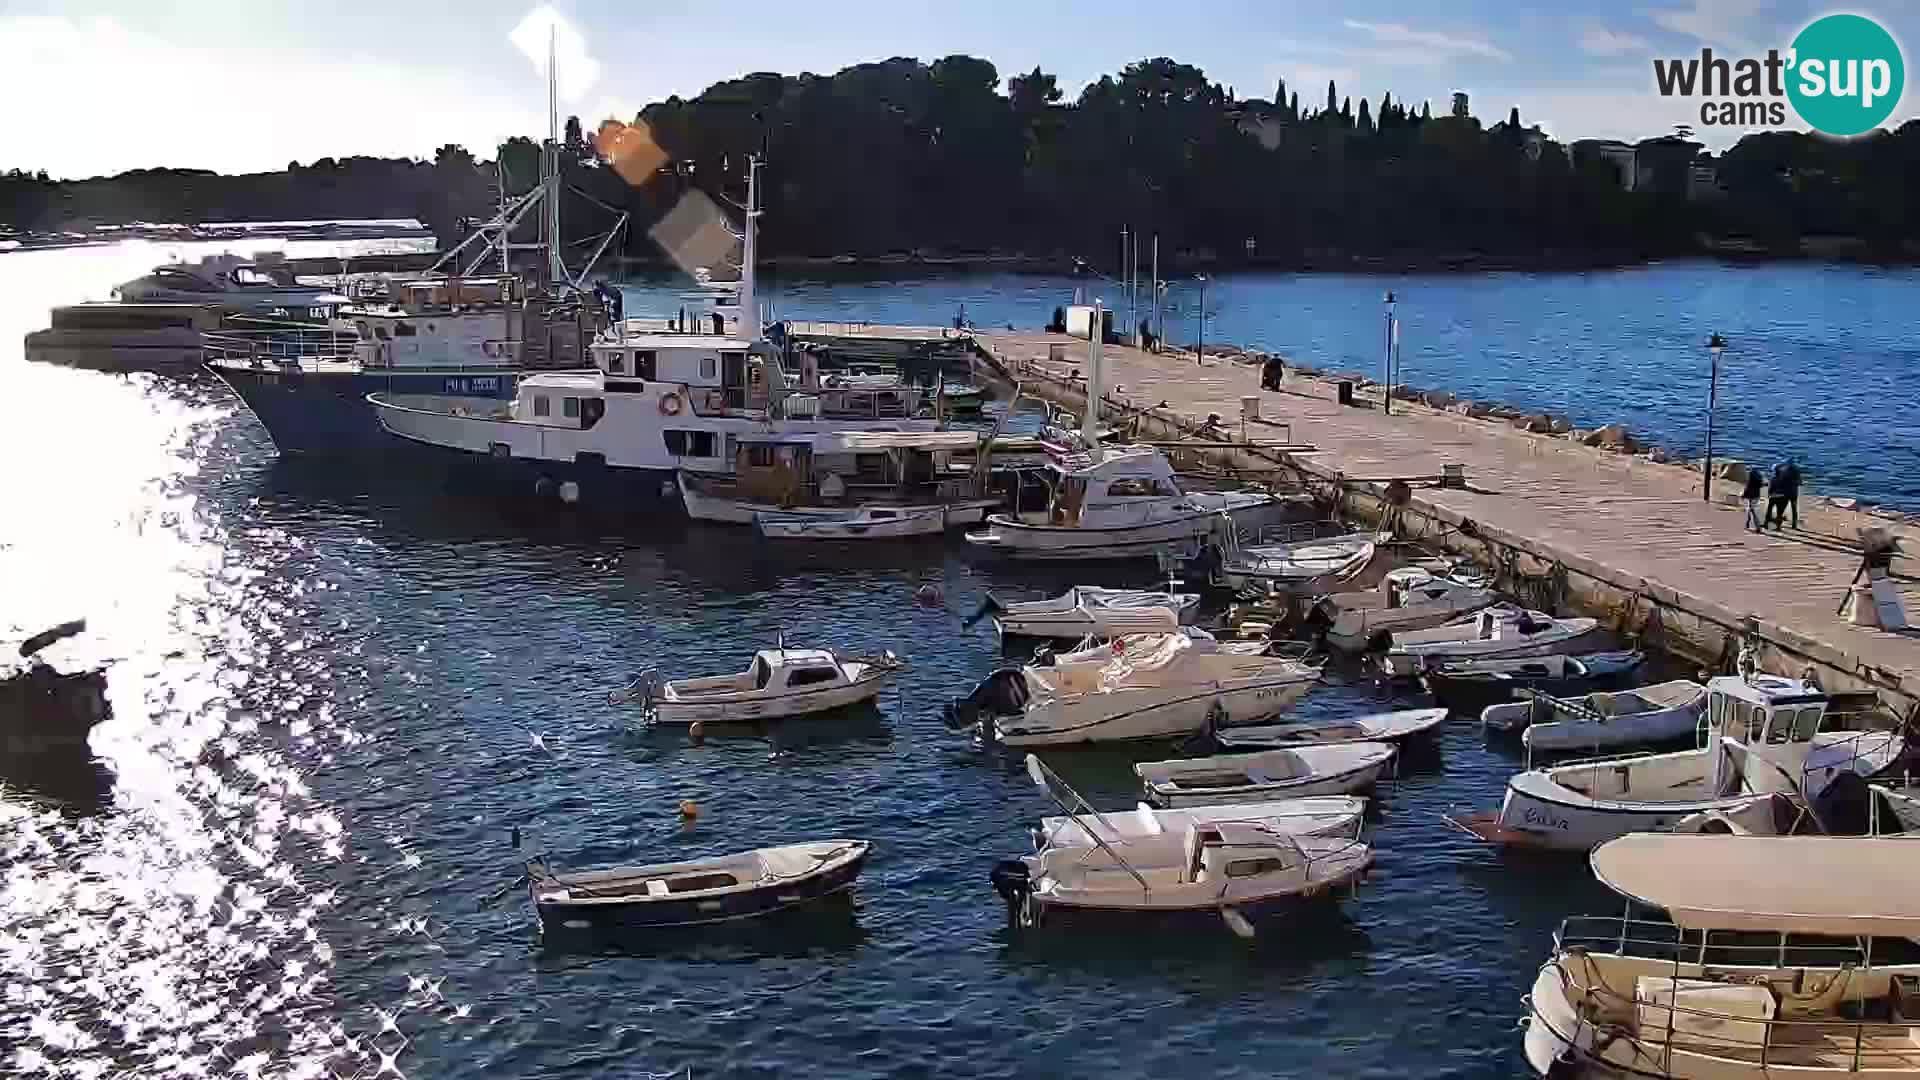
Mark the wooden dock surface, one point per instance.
(1612, 516)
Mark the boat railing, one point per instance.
(1066, 798)
(1823, 1044)
(1651, 939)
(275, 346)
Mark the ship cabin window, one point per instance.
(405, 330)
(541, 407)
(570, 408)
(762, 674)
(760, 456)
(811, 676)
(1795, 725)
(1255, 867)
(616, 363)
(689, 443)
(643, 363)
(1139, 487)
(707, 367)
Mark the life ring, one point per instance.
(670, 405)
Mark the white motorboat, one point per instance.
(1236, 870)
(1327, 769)
(1469, 686)
(1499, 631)
(1302, 567)
(125, 337)
(1764, 738)
(701, 892)
(781, 682)
(1151, 686)
(259, 284)
(1088, 610)
(1410, 598)
(1766, 961)
(1651, 714)
(1120, 502)
(864, 484)
(1388, 727)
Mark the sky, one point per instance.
(100, 87)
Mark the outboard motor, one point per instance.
(1014, 882)
(1003, 693)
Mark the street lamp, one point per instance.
(1386, 363)
(1200, 354)
(1715, 346)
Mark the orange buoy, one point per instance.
(689, 809)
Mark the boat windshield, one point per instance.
(762, 674)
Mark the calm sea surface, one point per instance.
(331, 704)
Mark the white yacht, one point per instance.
(1120, 502)
(654, 404)
(259, 284)
(1764, 737)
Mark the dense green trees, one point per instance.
(899, 155)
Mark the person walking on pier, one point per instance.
(1751, 495)
(1793, 493)
(1777, 496)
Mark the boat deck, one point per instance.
(1627, 522)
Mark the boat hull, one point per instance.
(1408, 663)
(1526, 820)
(1014, 539)
(1112, 717)
(1470, 695)
(776, 707)
(1361, 629)
(1348, 782)
(758, 903)
(324, 413)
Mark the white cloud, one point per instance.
(1445, 45)
(95, 85)
(545, 31)
(1713, 22)
(1600, 41)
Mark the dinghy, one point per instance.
(1146, 687)
(1410, 598)
(1086, 610)
(781, 682)
(699, 892)
(1469, 686)
(865, 523)
(1499, 631)
(1334, 769)
(1388, 727)
(1652, 714)
(1299, 568)
(1236, 871)
(1764, 737)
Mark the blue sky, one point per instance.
(237, 86)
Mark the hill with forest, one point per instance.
(898, 157)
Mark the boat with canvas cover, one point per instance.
(1777, 957)
(1410, 598)
(1087, 610)
(1151, 686)
(1605, 719)
(1764, 737)
(781, 682)
(1469, 686)
(1388, 727)
(1502, 630)
(1330, 769)
(1238, 872)
(699, 892)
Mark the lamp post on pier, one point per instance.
(1200, 353)
(1715, 346)
(1386, 361)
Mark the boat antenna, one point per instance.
(749, 253)
(556, 267)
(1090, 421)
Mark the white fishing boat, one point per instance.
(1387, 727)
(1301, 567)
(1410, 598)
(1089, 610)
(858, 484)
(1120, 502)
(1764, 737)
(780, 683)
(700, 892)
(1499, 631)
(1151, 686)
(1236, 871)
(1765, 963)
(258, 284)
(1651, 714)
(1328, 769)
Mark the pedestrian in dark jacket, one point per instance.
(1751, 495)
(1793, 491)
(1272, 372)
(1777, 496)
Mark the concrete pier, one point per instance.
(1608, 534)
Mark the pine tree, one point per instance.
(1426, 111)
(1513, 118)
(1384, 118)
(1280, 94)
(1366, 118)
(1333, 99)
(1293, 107)
(1346, 111)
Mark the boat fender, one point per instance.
(1014, 882)
(543, 487)
(670, 405)
(569, 492)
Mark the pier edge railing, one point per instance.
(1678, 622)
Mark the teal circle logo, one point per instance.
(1847, 74)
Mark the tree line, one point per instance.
(900, 156)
